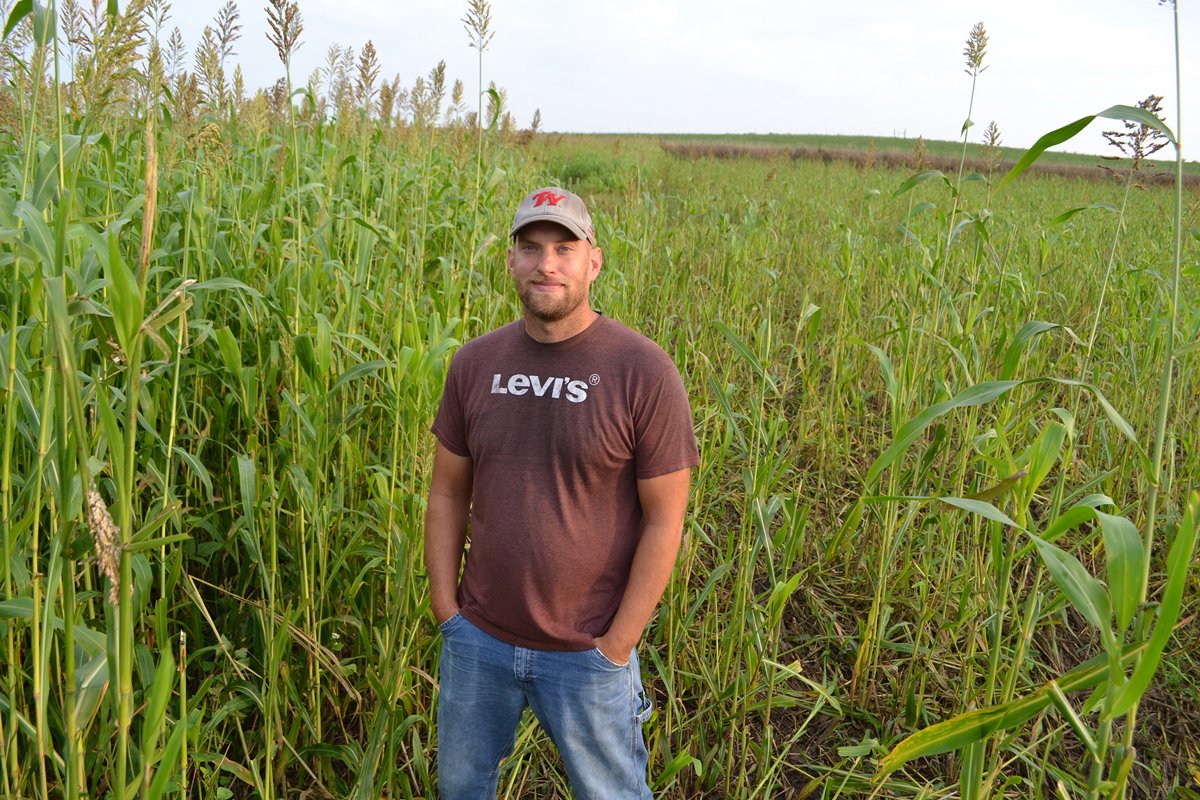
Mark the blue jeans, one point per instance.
(591, 708)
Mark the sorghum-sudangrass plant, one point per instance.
(1131, 652)
(236, 376)
(239, 415)
(1121, 601)
(478, 26)
(941, 645)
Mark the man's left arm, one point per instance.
(664, 502)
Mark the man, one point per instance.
(565, 440)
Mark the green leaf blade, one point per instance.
(19, 12)
(1068, 131)
(973, 726)
(1054, 137)
(1179, 564)
(1084, 592)
(1140, 116)
(981, 508)
(1029, 332)
(977, 394)
(919, 178)
(40, 237)
(1125, 561)
(154, 719)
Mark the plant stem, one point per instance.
(1146, 617)
(39, 644)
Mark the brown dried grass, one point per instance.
(894, 159)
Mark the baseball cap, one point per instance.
(554, 204)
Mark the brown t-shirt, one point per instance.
(558, 435)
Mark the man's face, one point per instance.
(553, 271)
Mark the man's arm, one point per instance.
(446, 529)
(664, 502)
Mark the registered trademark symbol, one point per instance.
(594, 379)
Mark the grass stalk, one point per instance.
(126, 471)
(28, 120)
(74, 777)
(184, 785)
(478, 27)
(975, 51)
(39, 641)
(10, 769)
(74, 752)
(125, 606)
(1145, 618)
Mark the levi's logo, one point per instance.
(573, 390)
(549, 198)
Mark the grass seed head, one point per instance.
(176, 52)
(478, 23)
(228, 29)
(157, 14)
(991, 134)
(976, 49)
(919, 160)
(1139, 141)
(209, 67)
(286, 24)
(437, 88)
(368, 74)
(387, 102)
(991, 145)
(114, 45)
(107, 540)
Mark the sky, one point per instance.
(874, 67)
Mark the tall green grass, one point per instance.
(223, 343)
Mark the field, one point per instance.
(936, 148)
(941, 469)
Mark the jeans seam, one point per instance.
(633, 726)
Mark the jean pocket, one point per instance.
(607, 662)
(643, 708)
(450, 622)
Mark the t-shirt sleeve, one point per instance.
(662, 419)
(449, 425)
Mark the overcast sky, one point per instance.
(875, 67)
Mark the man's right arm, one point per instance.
(446, 518)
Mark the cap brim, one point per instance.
(568, 224)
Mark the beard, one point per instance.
(551, 308)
